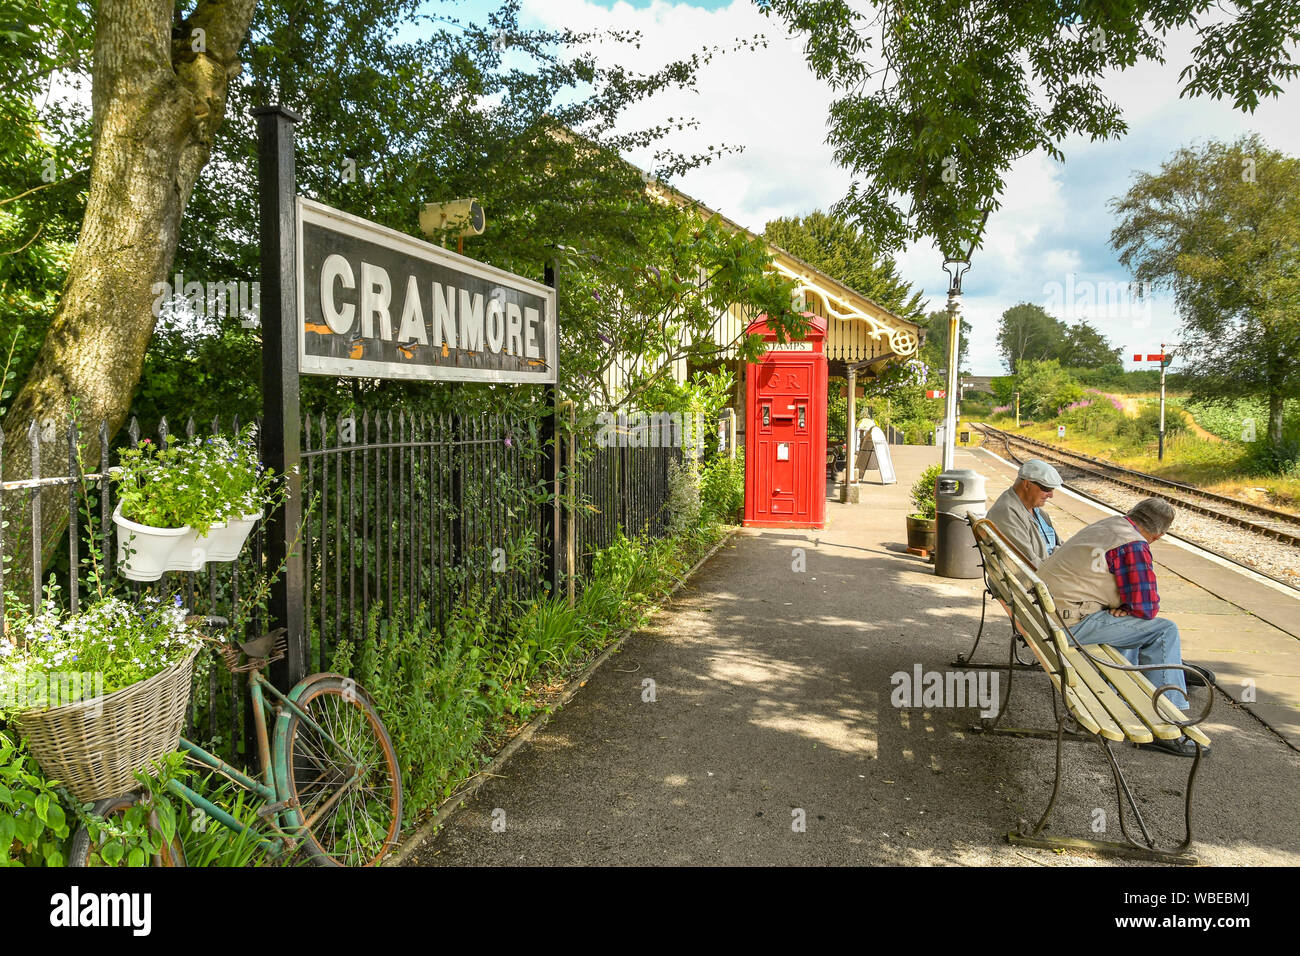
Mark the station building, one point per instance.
(863, 338)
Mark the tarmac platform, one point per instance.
(774, 734)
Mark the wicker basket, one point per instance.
(95, 746)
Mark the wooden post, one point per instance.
(850, 444)
(277, 233)
(552, 517)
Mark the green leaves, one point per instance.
(33, 826)
(939, 99)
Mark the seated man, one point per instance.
(1018, 513)
(1104, 583)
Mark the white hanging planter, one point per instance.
(153, 550)
(190, 553)
(226, 540)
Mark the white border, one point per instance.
(359, 228)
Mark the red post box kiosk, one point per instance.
(785, 431)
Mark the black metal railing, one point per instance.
(417, 513)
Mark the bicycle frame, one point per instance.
(275, 786)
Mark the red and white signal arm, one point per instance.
(936, 393)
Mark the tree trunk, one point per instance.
(1275, 420)
(157, 101)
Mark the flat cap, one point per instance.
(1041, 473)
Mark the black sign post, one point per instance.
(343, 296)
(550, 435)
(277, 192)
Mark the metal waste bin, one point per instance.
(959, 492)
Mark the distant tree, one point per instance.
(1026, 331)
(1083, 346)
(1045, 386)
(844, 252)
(935, 351)
(1219, 225)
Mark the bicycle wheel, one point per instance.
(348, 789)
(84, 851)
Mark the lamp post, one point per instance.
(956, 267)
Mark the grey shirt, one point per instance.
(1019, 526)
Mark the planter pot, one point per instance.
(920, 534)
(96, 746)
(225, 540)
(154, 549)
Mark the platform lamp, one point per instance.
(956, 267)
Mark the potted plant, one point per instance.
(192, 502)
(101, 693)
(921, 523)
(245, 488)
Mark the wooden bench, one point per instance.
(1107, 698)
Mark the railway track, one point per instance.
(1268, 522)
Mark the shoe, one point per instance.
(1199, 676)
(1181, 747)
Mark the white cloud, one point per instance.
(766, 101)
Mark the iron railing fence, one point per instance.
(416, 513)
(217, 708)
(618, 489)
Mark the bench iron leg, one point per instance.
(1130, 848)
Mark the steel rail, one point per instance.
(1183, 495)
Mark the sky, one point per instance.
(1048, 244)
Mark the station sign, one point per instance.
(378, 303)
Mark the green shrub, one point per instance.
(34, 827)
(722, 487)
(916, 431)
(431, 692)
(923, 492)
(1145, 425)
(1045, 387)
(683, 503)
(1100, 419)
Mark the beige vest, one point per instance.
(1076, 573)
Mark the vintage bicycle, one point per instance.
(329, 774)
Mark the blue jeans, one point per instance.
(1141, 642)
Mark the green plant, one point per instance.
(722, 487)
(683, 503)
(208, 843)
(132, 836)
(923, 492)
(111, 644)
(33, 824)
(239, 482)
(430, 690)
(196, 483)
(1044, 387)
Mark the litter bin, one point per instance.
(959, 492)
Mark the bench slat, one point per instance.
(1135, 728)
(1142, 690)
(1079, 698)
